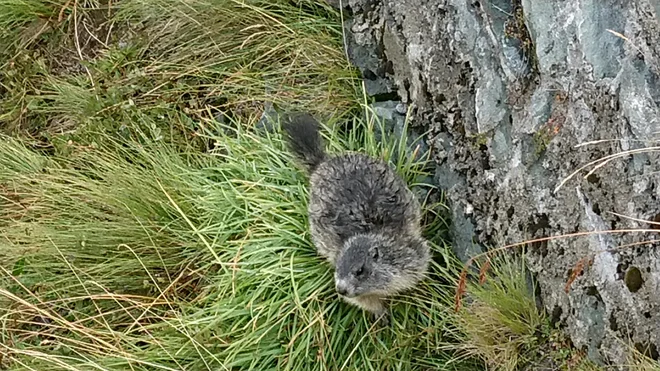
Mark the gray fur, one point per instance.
(364, 220)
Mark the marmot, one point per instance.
(363, 219)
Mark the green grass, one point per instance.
(143, 61)
(130, 256)
(17, 13)
(138, 232)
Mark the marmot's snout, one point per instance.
(343, 288)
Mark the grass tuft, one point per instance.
(499, 323)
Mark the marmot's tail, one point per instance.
(304, 140)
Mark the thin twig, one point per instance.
(623, 37)
(633, 219)
(602, 161)
(77, 39)
(460, 289)
(570, 235)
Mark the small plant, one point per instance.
(556, 348)
(498, 321)
(545, 134)
(480, 139)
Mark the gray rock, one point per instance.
(369, 60)
(601, 48)
(394, 126)
(515, 104)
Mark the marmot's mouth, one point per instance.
(346, 293)
(343, 288)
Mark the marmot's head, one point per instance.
(379, 264)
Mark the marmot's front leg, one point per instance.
(374, 304)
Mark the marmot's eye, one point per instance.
(376, 253)
(360, 271)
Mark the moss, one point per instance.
(516, 28)
(542, 139)
(479, 140)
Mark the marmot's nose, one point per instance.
(341, 290)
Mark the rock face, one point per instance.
(518, 95)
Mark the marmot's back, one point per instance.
(353, 194)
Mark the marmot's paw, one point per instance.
(382, 319)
